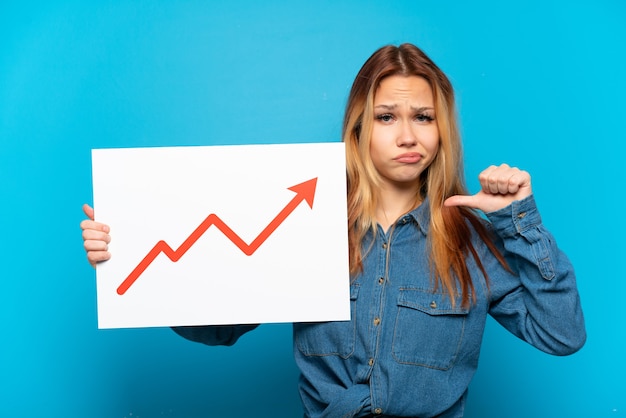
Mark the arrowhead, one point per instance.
(306, 190)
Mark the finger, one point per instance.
(519, 179)
(93, 225)
(96, 245)
(488, 179)
(502, 179)
(511, 179)
(506, 184)
(496, 178)
(95, 235)
(95, 257)
(88, 211)
(462, 200)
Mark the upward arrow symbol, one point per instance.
(304, 191)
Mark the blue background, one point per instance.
(540, 85)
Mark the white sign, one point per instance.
(222, 235)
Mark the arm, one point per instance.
(540, 302)
(214, 335)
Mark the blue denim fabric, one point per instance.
(408, 352)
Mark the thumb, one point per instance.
(461, 200)
(88, 211)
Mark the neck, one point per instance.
(395, 202)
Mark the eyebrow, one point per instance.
(392, 107)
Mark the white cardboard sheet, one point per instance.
(219, 235)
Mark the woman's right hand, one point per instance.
(96, 238)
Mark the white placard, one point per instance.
(222, 235)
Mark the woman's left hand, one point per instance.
(500, 186)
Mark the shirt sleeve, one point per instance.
(214, 334)
(538, 300)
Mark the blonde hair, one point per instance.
(450, 235)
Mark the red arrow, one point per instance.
(304, 191)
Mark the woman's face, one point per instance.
(405, 137)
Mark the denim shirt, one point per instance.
(407, 350)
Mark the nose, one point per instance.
(406, 136)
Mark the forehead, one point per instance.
(397, 88)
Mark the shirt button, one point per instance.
(381, 280)
(384, 245)
(378, 411)
(521, 215)
(376, 321)
(371, 362)
(433, 304)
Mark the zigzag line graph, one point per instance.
(304, 192)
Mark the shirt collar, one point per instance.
(421, 215)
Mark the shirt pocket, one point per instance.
(428, 331)
(336, 338)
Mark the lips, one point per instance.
(408, 158)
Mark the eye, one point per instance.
(385, 117)
(424, 117)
